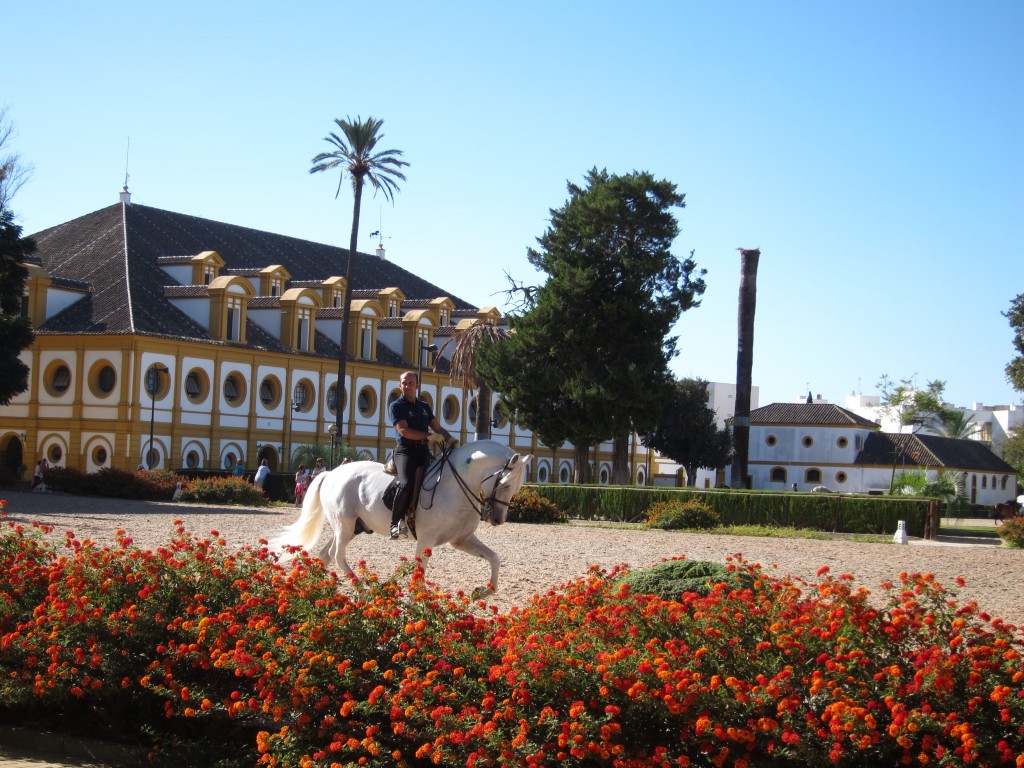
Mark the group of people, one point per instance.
(303, 477)
(39, 476)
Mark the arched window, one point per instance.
(778, 474)
(813, 475)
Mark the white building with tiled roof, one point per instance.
(808, 445)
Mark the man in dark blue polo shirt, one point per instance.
(413, 420)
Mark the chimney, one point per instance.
(126, 196)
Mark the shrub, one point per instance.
(65, 480)
(528, 506)
(675, 515)
(672, 578)
(1012, 532)
(223, 490)
(154, 485)
(8, 477)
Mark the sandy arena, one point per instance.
(536, 558)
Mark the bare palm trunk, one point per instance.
(357, 188)
(483, 413)
(744, 365)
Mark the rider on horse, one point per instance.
(413, 420)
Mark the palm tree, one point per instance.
(355, 154)
(463, 367)
(956, 424)
(744, 365)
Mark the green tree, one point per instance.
(356, 156)
(908, 405)
(687, 431)
(1015, 368)
(15, 330)
(1013, 451)
(744, 364)
(587, 359)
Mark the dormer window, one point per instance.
(208, 274)
(275, 288)
(392, 309)
(366, 338)
(234, 319)
(302, 330)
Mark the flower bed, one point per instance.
(226, 657)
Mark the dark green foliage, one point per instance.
(113, 483)
(1015, 368)
(223, 490)
(588, 358)
(682, 514)
(687, 431)
(15, 330)
(831, 512)
(672, 578)
(528, 506)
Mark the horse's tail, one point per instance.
(305, 531)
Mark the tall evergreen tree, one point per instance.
(356, 156)
(15, 330)
(687, 431)
(587, 360)
(1015, 368)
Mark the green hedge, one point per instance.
(832, 512)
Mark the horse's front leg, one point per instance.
(473, 546)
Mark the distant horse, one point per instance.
(1005, 511)
(461, 489)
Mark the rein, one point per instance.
(485, 506)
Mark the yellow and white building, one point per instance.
(168, 340)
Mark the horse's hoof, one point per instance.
(481, 592)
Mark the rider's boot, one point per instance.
(398, 509)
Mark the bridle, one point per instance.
(486, 505)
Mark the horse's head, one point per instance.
(506, 483)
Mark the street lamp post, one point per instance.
(152, 383)
(333, 432)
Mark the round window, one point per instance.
(542, 473)
(229, 461)
(234, 389)
(302, 397)
(58, 380)
(367, 402)
(840, 477)
(270, 392)
(563, 474)
(54, 454)
(771, 440)
(196, 386)
(842, 442)
(450, 409)
(808, 441)
(99, 456)
(192, 459)
(102, 379)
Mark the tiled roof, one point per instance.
(265, 302)
(117, 253)
(390, 322)
(807, 414)
(887, 449)
(185, 291)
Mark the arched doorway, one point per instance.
(12, 457)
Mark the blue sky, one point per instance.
(872, 150)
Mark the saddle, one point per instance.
(388, 497)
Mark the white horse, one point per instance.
(473, 483)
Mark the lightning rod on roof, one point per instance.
(127, 150)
